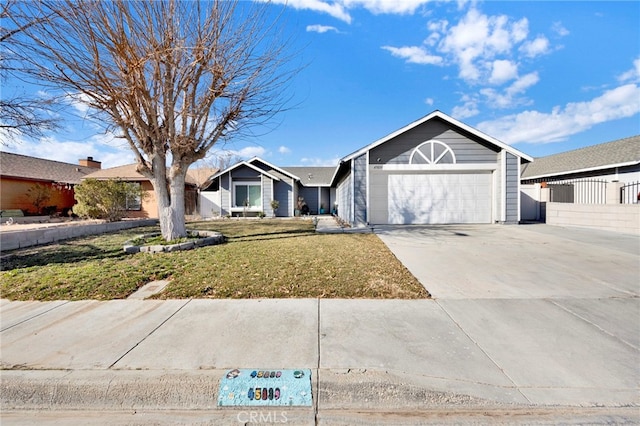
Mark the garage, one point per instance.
(439, 198)
(436, 170)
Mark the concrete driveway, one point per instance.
(556, 309)
(517, 261)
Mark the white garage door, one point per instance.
(439, 198)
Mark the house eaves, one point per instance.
(247, 164)
(609, 155)
(279, 169)
(448, 119)
(587, 169)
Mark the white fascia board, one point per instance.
(450, 120)
(284, 172)
(435, 167)
(587, 169)
(247, 164)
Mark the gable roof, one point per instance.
(448, 119)
(278, 169)
(247, 164)
(128, 172)
(32, 168)
(618, 153)
(313, 176)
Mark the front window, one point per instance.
(248, 194)
(134, 201)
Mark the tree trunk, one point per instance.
(170, 198)
(172, 220)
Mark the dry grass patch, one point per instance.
(261, 259)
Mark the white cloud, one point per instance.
(284, 150)
(414, 55)
(560, 123)
(469, 108)
(335, 9)
(559, 29)
(503, 71)
(339, 9)
(429, 101)
(102, 147)
(510, 96)
(321, 29)
(398, 7)
(632, 75)
(319, 162)
(537, 47)
(477, 39)
(250, 152)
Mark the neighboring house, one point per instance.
(249, 187)
(148, 206)
(435, 170)
(20, 173)
(618, 160)
(595, 187)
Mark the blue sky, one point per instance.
(542, 76)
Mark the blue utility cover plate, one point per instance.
(240, 388)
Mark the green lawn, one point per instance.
(261, 259)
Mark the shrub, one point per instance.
(38, 195)
(106, 199)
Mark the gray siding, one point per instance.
(283, 192)
(512, 188)
(360, 190)
(245, 173)
(379, 198)
(267, 189)
(310, 195)
(398, 150)
(344, 196)
(225, 195)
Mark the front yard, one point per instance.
(262, 259)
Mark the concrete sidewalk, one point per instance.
(371, 359)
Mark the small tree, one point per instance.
(105, 199)
(39, 195)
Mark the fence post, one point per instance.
(613, 192)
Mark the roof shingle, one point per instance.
(25, 167)
(619, 152)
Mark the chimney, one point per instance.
(90, 162)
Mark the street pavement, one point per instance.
(528, 324)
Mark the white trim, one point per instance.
(247, 183)
(367, 189)
(503, 186)
(352, 219)
(518, 192)
(251, 166)
(587, 169)
(448, 119)
(284, 172)
(434, 167)
(432, 161)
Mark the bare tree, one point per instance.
(20, 115)
(174, 77)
